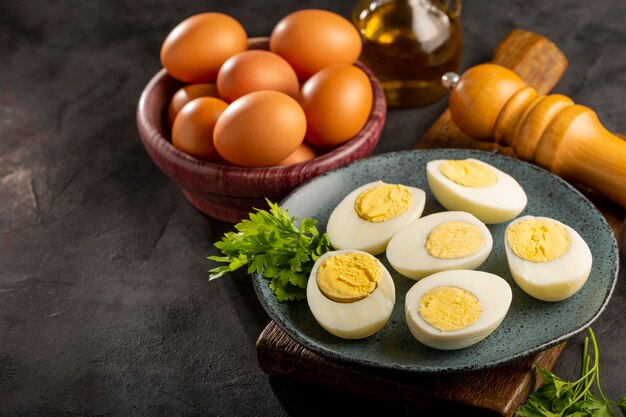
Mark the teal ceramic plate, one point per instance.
(530, 325)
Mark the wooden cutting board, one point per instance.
(489, 392)
(498, 391)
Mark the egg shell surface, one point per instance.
(354, 320)
(407, 253)
(312, 39)
(493, 292)
(554, 280)
(187, 93)
(260, 129)
(346, 230)
(255, 70)
(301, 154)
(194, 125)
(493, 204)
(197, 47)
(337, 102)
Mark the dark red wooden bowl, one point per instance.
(228, 192)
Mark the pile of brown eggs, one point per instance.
(252, 107)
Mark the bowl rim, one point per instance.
(156, 141)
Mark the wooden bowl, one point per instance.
(228, 192)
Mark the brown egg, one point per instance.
(301, 154)
(255, 70)
(185, 95)
(198, 46)
(193, 127)
(260, 129)
(337, 102)
(311, 40)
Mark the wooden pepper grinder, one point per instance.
(491, 103)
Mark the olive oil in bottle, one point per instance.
(409, 45)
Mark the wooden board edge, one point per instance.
(279, 355)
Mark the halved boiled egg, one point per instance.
(476, 187)
(548, 259)
(438, 242)
(370, 215)
(350, 293)
(457, 308)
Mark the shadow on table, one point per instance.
(301, 399)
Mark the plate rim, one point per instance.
(332, 355)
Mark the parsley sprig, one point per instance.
(271, 244)
(556, 398)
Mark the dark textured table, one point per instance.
(105, 306)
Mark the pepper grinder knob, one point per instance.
(449, 80)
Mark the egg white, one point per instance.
(555, 280)
(496, 203)
(407, 253)
(493, 292)
(346, 230)
(355, 320)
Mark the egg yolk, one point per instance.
(454, 240)
(449, 308)
(538, 240)
(468, 173)
(383, 202)
(348, 277)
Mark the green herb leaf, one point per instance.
(534, 408)
(558, 398)
(287, 292)
(270, 243)
(528, 411)
(596, 407)
(622, 405)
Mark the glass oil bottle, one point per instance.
(409, 45)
